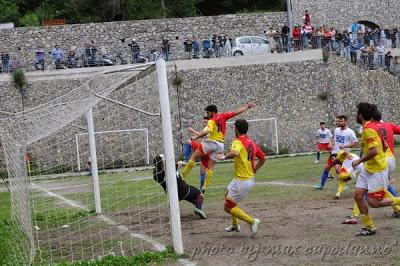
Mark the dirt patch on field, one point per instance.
(292, 233)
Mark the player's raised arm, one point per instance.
(200, 134)
(193, 131)
(244, 108)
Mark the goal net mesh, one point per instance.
(50, 177)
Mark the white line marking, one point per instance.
(158, 246)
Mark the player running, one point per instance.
(343, 138)
(245, 151)
(214, 144)
(374, 178)
(323, 140)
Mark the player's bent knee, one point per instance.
(229, 205)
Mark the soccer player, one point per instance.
(185, 191)
(214, 144)
(386, 132)
(323, 139)
(374, 178)
(245, 151)
(194, 145)
(343, 138)
(346, 171)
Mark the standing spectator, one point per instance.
(327, 39)
(371, 54)
(285, 36)
(196, 47)
(364, 54)
(135, 50)
(354, 30)
(58, 55)
(40, 58)
(270, 37)
(5, 62)
(353, 51)
(227, 45)
(388, 59)
(346, 44)
(308, 29)
(188, 44)
(393, 37)
(381, 55)
(165, 48)
(339, 43)
(320, 35)
(387, 37)
(216, 45)
(296, 37)
(306, 17)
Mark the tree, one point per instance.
(8, 11)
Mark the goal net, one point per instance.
(263, 131)
(66, 208)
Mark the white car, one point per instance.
(248, 45)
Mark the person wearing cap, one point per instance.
(214, 143)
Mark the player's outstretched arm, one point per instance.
(191, 130)
(201, 134)
(244, 108)
(229, 155)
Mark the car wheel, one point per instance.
(237, 53)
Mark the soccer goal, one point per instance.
(63, 215)
(263, 131)
(132, 139)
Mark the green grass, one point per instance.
(144, 258)
(119, 191)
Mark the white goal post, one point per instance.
(274, 140)
(145, 130)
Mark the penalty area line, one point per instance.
(157, 246)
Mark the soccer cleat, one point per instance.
(318, 187)
(316, 161)
(366, 232)
(203, 191)
(350, 220)
(200, 213)
(396, 214)
(254, 227)
(233, 228)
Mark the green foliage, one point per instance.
(283, 150)
(19, 79)
(144, 258)
(8, 11)
(32, 12)
(29, 20)
(143, 9)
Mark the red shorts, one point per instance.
(323, 147)
(205, 157)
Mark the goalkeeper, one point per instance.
(185, 191)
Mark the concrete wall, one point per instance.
(341, 13)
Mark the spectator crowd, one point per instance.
(368, 47)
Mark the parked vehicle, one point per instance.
(250, 45)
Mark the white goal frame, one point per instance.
(266, 119)
(145, 130)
